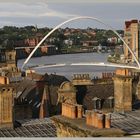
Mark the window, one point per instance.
(111, 101)
(96, 103)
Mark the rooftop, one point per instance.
(31, 128)
(128, 122)
(121, 125)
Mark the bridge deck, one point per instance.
(86, 64)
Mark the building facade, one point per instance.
(8, 58)
(131, 37)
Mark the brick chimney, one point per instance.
(100, 120)
(108, 120)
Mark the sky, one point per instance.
(49, 13)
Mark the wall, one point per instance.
(23, 112)
(122, 91)
(4, 80)
(76, 128)
(72, 110)
(6, 107)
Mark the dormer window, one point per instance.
(111, 101)
(96, 103)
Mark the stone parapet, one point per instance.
(67, 127)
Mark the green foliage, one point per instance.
(10, 34)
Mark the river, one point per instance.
(68, 71)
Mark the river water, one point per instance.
(68, 71)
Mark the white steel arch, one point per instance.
(73, 19)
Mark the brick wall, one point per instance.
(123, 72)
(93, 118)
(4, 80)
(98, 119)
(72, 110)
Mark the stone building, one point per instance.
(131, 37)
(8, 58)
(6, 106)
(123, 91)
(87, 92)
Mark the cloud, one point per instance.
(23, 1)
(70, 1)
(20, 10)
(53, 12)
(93, 1)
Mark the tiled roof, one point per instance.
(128, 122)
(31, 128)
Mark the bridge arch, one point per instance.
(73, 19)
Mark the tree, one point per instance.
(59, 41)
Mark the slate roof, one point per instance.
(53, 79)
(102, 91)
(31, 92)
(31, 128)
(24, 88)
(128, 122)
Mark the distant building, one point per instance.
(131, 37)
(113, 40)
(89, 43)
(34, 40)
(7, 58)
